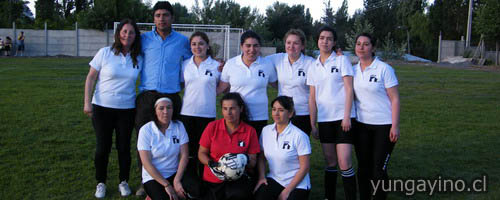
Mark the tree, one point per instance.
(360, 26)
(381, 14)
(487, 22)
(182, 15)
(281, 18)
(328, 19)
(342, 24)
(12, 11)
(106, 12)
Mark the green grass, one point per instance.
(450, 121)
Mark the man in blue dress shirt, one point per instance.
(164, 50)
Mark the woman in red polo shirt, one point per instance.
(228, 135)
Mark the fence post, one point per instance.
(13, 50)
(76, 39)
(439, 48)
(46, 40)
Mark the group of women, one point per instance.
(342, 105)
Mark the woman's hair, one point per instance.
(373, 40)
(163, 5)
(334, 33)
(135, 49)
(155, 118)
(286, 102)
(299, 33)
(205, 38)
(239, 101)
(249, 34)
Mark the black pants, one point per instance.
(105, 121)
(240, 189)
(258, 125)
(195, 127)
(274, 189)
(373, 150)
(303, 122)
(144, 104)
(190, 182)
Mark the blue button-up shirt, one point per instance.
(163, 61)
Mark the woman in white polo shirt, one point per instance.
(283, 142)
(163, 150)
(377, 106)
(112, 107)
(330, 103)
(199, 101)
(291, 68)
(249, 75)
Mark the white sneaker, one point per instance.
(100, 191)
(124, 189)
(140, 191)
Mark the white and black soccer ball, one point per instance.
(232, 166)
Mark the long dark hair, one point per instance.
(204, 37)
(239, 101)
(135, 49)
(331, 30)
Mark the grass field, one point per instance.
(450, 123)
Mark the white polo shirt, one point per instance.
(115, 86)
(164, 148)
(292, 79)
(372, 102)
(282, 153)
(251, 82)
(200, 82)
(328, 82)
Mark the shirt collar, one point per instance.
(285, 131)
(298, 61)
(207, 61)
(157, 130)
(373, 65)
(155, 33)
(240, 59)
(332, 56)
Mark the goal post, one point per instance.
(224, 40)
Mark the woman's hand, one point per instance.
(87, 109)
(260, 182)
(284, 194)
(346, 124)
(179, 189)
(171, 193)
(314, 132)
(394, 134)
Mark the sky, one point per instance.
(316, 7)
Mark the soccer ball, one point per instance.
(232, 165)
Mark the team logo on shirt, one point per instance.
(241, 143)
(261, 73)
(286, 145)
(175, 139)
(373, 78)
(334, 69)
(301, 72)
(208, 73)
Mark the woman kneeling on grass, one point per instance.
(112, 108)
(287, 150)
(163, 148)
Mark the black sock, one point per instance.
(349, 179)
(330, 182)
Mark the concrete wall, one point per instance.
(451, 48)
(86, 42)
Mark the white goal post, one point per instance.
(224, 40)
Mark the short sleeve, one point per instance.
(310, 76)
(274, 59)
(346, 68)
(182, 133)
(205, 140)
(254, 147)
(96, 62)
(303, 145)
(224, 77)
(390, 79)
(144, 140)
(186, 54)
(184, 65)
